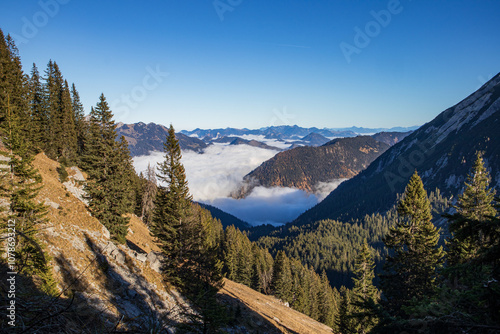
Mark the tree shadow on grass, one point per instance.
(253, 322)
(140, 307)
(38, 312)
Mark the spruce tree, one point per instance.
(148, 196)
(364, 293)
(13, 95)
(67, 137)
(170, 225)
(281, 283)
(474, 205)
(81, 125)
(411, 272)
(39, 117)
(344, 321)
(52, 88)
(326, 302)
(106, 160)
(21, 182)
(190, 240)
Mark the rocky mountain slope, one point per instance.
(306, 167)
(118, 288)
(442, 151)
(390, 138)
(145, 138)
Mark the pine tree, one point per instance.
(39, 118)
(170, 224)
(364, 293)
(326, 302)
(344, 321)
(474, 205)
(262, 269)
(81, 125)
(412, 271)
(61, 134)
(107, 162)
(52, 88)
(13, 96)
(21, 182)
(190, 240)
(148, 196)
(68, 141)
(281, 283)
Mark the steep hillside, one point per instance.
(118, 288)
(306, 167)
(266, 314)
(144, 138)
(390, 138)
(225, 218)
(442, 151)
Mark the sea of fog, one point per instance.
(217, 172)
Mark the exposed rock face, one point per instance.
(119, 287)
(109, 280)
(442, 151)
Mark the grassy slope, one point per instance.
(71, 236)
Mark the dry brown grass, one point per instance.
(267, 312)
(71, 224)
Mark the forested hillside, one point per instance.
(307, 167)
(441, 151)
(144, 138)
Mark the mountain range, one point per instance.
(442, 151)
(307, 168)
(146, 138)
(284, 132)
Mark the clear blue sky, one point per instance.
(258, 63)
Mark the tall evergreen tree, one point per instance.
(81, 125)
(282, 282)
(106, 159)
(148, 196)
(39, 118)
(172, 209)
(189, 240)
(326, 302)
(20, 181)
(412, 271)
(67, 137)
(364, 293)
(13, 95)
(52, 88)
(344, 321)
(474, 205)
(62, 141)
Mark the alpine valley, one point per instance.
(138, 228)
